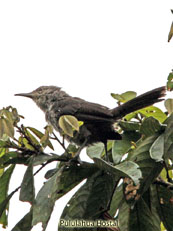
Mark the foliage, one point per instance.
(134, 188)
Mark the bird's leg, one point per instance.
(106, 151)
(80, 149)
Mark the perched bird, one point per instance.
(98, 120)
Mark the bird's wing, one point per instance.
(83, 110)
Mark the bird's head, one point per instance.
(43, 96)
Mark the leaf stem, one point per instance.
(61, 143)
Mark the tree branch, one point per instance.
(163, 183)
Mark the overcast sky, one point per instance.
(89, 48)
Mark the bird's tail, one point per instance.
(139, 102)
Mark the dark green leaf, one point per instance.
(4, 203)
(4, 184)
(117, 200)
(40, 159)
(129, 125)
(27, 192)
(124, 169)
(2, 143)
(157, 148)
(153, 206)
(121, 147)
(150, 168)
(6, 157)
(86, 204)
(123, 216)
(58, 185)
(168, 135)
(25, 224)
(50, 173)
(45, 201)
(150, 126)
(165, 206)
(141, 218)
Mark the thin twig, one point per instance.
(61, 143)
(167, 173)
(163, 183)
(49, 161)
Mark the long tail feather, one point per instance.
(139, 102)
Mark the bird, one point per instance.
(98, 120)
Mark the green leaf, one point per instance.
(129, 125)
(168, 135)
(4, 203)
(157, 148)
(66, 178)
(68, 124)
(141, 217)
(50, 173)
(6, 127)
(170, 33)
(155, 112)
(45, 201)
(128, 95)
(24, 141)
(32, 138)
(85, 203)
(119, 148)
(117, 200)
(165, 206)
(124, 216)
(170, 82)
(25, 224)
(151, 111)
(169, 105)
(153, 206)
(150, 126)
(27, 192)
(6, 157)
(3, 144)
(124, 97)
(8, 115)
(124, 169)
(40, 159)
(15, 115)
(40, 135)
(95, 150)
(45, 139)
(4, 184)
(150, 168)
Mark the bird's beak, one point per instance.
(29, 95)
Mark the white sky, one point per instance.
(90, 48)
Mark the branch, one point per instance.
(61, 143)
(49, 161)
(22, 131)
(163, 183)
